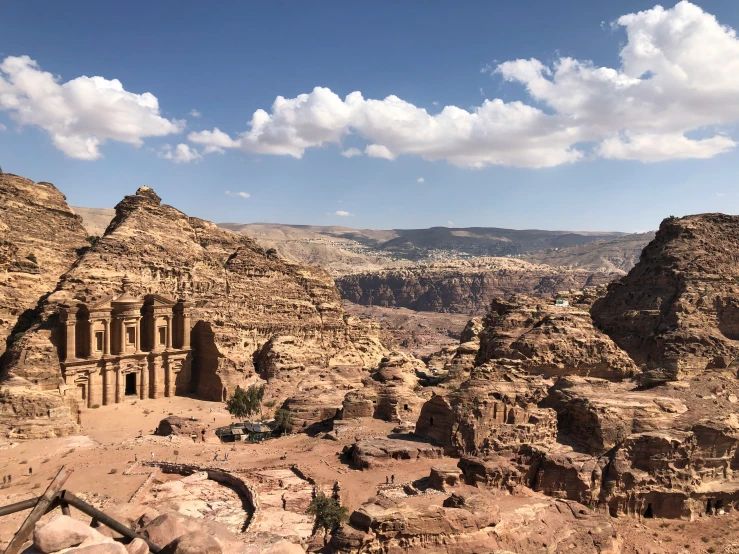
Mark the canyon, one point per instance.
(480, 404)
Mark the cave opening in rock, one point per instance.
(405, 407)
(648, 512)
(431, 422)
(709, 509)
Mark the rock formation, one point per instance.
(677, 311)
(550, 340)
(241, 297)
(462, 286)
(40, 238)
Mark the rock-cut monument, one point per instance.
(119, 346)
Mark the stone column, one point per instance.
(169, 332)
(71, 349)
(92, 384)
(121, 323)
(154, 332)
(144, 392)
(168, 379)
(156, 383)
(108, 385)
(186, 330)
(91, 341)
(119, 384)
(106, 337)
(138, 335)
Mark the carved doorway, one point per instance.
(130, 384)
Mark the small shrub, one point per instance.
(270, 403)
(664, 525)
(32, 257)
(329, 513)
(93, 240)
(113, 471)
(23, 462)
(95, 406)
(711, 550)
(705, 539)
(36, 486)
(45, 461)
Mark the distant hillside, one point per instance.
(344, 251)
(617, 254)
(95, 220)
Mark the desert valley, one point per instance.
(369, 278)
(476, 404)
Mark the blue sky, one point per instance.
(555, 163)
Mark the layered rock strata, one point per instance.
(241, 298)
(463, 286)
(678, 309)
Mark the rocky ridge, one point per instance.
(242, 298)
(677, 311)
(463, 286)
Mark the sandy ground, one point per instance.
(110, 445)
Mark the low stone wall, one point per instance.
(242, 487)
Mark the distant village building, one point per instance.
(123, 346)
(561, 302)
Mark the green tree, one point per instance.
(329, 513)
(283, 420)
(245, 403)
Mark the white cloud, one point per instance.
(3, 127)
(379, 151)
(342, 213)
(450, 224)
(241, 194)
(435, 103)
(195, 113)
(351, 152)
(82, 114)
(181, 154)
(214, 141)
(678, 73)
(420, 180)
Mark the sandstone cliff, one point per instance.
(678, 309)
(462, 286)
(241, 298)
(39, 241)
(549, 340)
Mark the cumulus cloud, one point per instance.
(238, 193)
(82, 114)
(195, 113)
(379, 151)
(351, 152)
(420, 180)
(3, 127)
(180, 154)
(342, 213)
(678, 73)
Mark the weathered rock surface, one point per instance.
(550, 340)
(462, 286)
(64, 532)
(492, 411)
(596, 415)
(678, 309)
(242, 297)
(476, 521)
(370, 453)
(40, 237)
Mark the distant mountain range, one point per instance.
(344, 250)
